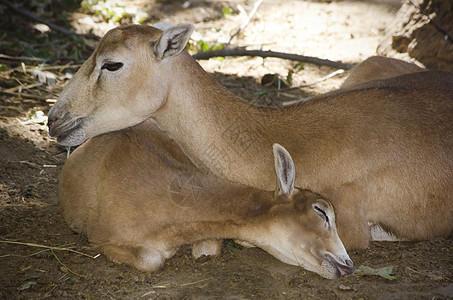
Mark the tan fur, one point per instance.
(379, 67)
(122, 190)
(381, 152)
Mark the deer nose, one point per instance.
(349, 269)
(346, 267)
(51, 121)
(349, 263)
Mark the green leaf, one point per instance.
(226, 10)
(300, 66)
(289, 77)
(32, 113)
(209, 46)
(385, 272)
(229, 244)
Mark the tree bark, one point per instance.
(424, 30)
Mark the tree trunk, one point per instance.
(424, 30)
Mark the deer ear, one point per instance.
(172, 41)
(163, 25)
(286, 173)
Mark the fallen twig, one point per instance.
(50, 248)
(196, 282)
(65, 266)
(264, 54)
(23, 95)
(27, 163)
(168, 285)
(38, 59)
(22, 58)
(23, 87)
(61, 67)
(10, 107)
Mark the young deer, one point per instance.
(139, 198)
(380, 152)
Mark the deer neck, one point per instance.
(218, 131)
(238, 214)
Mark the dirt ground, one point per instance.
(40, 257)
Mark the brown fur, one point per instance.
(378, 68)
(119, 189)
(381, 152)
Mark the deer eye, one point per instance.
(321, 213)
(112, 67)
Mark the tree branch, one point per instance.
(264, 54)
(250, 16)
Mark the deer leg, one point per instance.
(351, 222)
(244, 244)
(206, 247)
(142, 258)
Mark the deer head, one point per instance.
(120, 85)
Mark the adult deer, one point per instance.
(379, 67)
(139, 198)
(380, 152)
